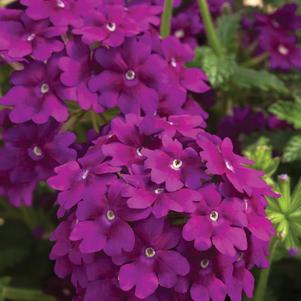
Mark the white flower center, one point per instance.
(173, 62)
(37, 151)
(31, 37)
(110, 215)
(111, 26)
(60, 4)
(204, 263)
(179, 33)
(44, 88)
(229, 165)
(139, 151)
(214, 215)
(158, 190)
(130, 75)
(282, 50)
(240, 256)
(85, 174)
(150, 252)
(176, 164)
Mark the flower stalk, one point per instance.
(166, 19)
(209, 27)
(13, 293)
(264, 274)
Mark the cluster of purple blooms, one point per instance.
(97, 54)
(155, 208)
(276, 34)
(159, 209)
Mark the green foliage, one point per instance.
(285, 212)
(4, 281)
(292, 150)
(14, 244)
(259, 79)
(227, 28)
(261, 153)
(218, 68)
(288, 111)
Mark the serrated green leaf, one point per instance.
(227, 27)
(218, 68)
(296, 197)
(292, 150)
(259, 79)
(289, 111)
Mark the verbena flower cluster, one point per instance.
(154, 208)
(160, 209)
(97, 54)
(275, 34)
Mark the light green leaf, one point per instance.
(218, 68)
(259, 79)
(227, 27)
(292, 150)
(289, 111)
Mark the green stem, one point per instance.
(166, 19)
(264, 274)
(256, 60)
(25, 294)
(209, 27)
(95, 125)
(28, 218)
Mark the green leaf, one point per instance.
(218, 68)
(259, 79)
(9, 257)
(296, 196)
(292, 150)
(227, 27)
(4, 282)
(261, 153)
(289, 111)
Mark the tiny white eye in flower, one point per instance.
(150, 252)
(44, 88)
(85, 174)
(240, 256)
(179, 33)
(60, 4)
(37, 151)
(176, 164)
(214, 215)
(173, 62)
(110, 215)
(130, 75)
(283, 50)
(111, 26)
(229, 165)
(158, 190)
(139, 151)
(31, 37)
(204, 263)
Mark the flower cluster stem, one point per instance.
(166, 19)
(209, 27)
(25, 294)
(264, 274)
